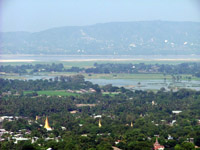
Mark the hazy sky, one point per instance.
(37, 15)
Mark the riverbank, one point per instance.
(16, 60)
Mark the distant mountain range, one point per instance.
(118, 38)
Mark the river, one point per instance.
(134, 84)
(50, 58)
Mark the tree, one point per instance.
(197, 141)
(143, 145)
(104, 146)
(188, 146)
(25, 146)
(185, 146)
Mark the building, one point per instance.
(73, 112)
(97, 116)
(176, 111)
(8, 118)
(157, 146)
(20, 139)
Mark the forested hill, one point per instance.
(127, 38)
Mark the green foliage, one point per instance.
(185, 146)
(26, 146)
(136, 145)
(16, 125)
(64, 82)
(34, 68)
(7, 145)
(50, 93)
(118, 111)
(197, 141)
(104, 146)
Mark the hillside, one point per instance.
(118, 38)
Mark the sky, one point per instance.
(37, 15)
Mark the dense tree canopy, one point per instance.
(151, 113)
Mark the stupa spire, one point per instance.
(46, 126)
(100, 123)
(36, 118)
(131, 124)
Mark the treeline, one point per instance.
(22, 69)
(58, 83)
(183, 68)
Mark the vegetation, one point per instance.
(58, 83)
(150, 112)
(51, 93)
(109, 68)
(34, 68)
(183, 68)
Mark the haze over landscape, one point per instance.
(100, 28)
(99, 75)
(117, 38)
(35, 16)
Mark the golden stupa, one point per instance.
(46, 126)
(100, 123)
(131, 124)
(36, 118)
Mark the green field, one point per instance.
(127, 76)
(141, 76)
(87, 64)
(110, 93)
(52, 93)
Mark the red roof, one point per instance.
(157, 145)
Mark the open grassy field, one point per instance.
(127, 76)
(90, 63)
(87, 64)
(140, 76)
(53, 93)
(103, 76)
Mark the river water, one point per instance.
(46, 58)
(134, 84)
(128, 83)
(147, 84)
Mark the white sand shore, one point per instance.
(82, 60)
(79, 60)
(113, 59)
(21, 60)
